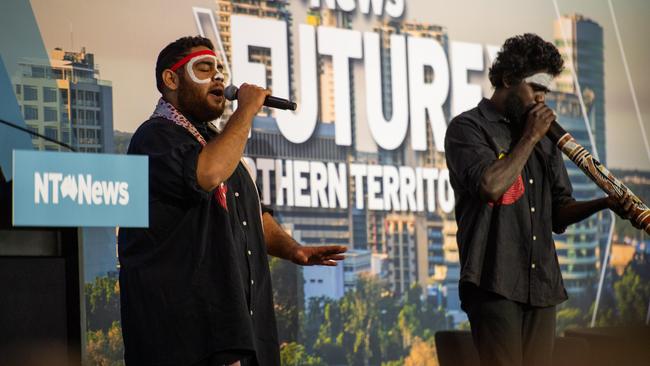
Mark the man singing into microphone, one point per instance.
(512, 191)
(195, 286)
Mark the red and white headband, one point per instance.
(195, 57)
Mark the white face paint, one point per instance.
(203, 69)
(541, 78)
(206, 71)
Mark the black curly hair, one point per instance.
(523, 55)
(175, 51)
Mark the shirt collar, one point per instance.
(489, 111)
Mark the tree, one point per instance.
(104, 333)
(632, 295)
(399, 362)
(121, 141)
(626, 302)
(287, 298)
(423, 353)
(433, 318)
(294, 354)
(464, 325)
(312, 320)
(408, 324)
(327, 343)
(390, 341)
(370, 325)
(102, 303)
(567, 318)
(106, 348)
(360, 320)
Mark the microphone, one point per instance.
(274, 102)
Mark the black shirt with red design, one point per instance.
(506, 246)
(196, 284)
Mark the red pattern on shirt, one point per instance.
(512, 195)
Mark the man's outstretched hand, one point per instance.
(327, 255)
(280, 244)
(623, 207)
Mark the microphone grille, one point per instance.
(230, 92)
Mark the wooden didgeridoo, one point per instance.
(598, 173)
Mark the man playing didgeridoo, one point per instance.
(512, 192)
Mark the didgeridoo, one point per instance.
(598, 173)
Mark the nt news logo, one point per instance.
(53, 188)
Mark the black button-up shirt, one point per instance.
(196, 283)
(506, 247)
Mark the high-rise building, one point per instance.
(413, 29)
(356, 263)
(317, 226)
(583, 50)
(580, 42)
(310, 225)
(431, 259)
(401, 250)
(367, 225)
(362, 221)
(379, 265)
(435, 245)
(336, 19)
(333, 282)
(64, 99)
(326, 18)
(323, 281)
(452, 269)
(261, 9)
(578, 247)
(45, 106)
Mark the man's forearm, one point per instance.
(578, 211)
(220, 157)
(278, 242)
(499, 176)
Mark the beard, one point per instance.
(515, 109)
(194, 104)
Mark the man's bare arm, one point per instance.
(282, 245)
(499, 176)
(219, 158)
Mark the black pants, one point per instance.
(508, 333)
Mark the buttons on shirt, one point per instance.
(534, 237)
(531, 181)
(251, 312)
(236, 194)
(244, 223)
(532, 266)
(532, 209)
(252, 282)
(249, 252)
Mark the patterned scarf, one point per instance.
(165, 110)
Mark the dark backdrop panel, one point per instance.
(33, 300)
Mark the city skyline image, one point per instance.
(362, 162)
(60, 28)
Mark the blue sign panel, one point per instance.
(76, 189)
